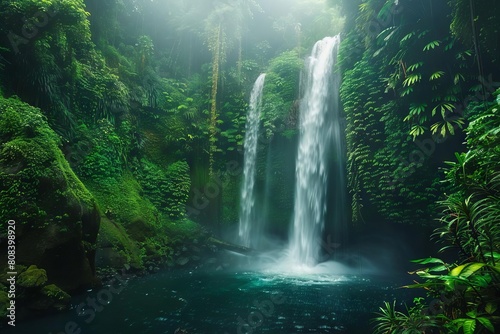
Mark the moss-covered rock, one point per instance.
(57, 294)
(51, 297)
(33, 277)
(115, 248)
(121, 200)
(4, 275)
(56, 216)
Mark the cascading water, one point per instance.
(247, 206)
(319, 128)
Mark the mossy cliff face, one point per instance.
(57, 218)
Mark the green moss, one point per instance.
(184, 231)
(231, 193)
(32, 278)
(137, 222)
(50, 297)
(121, 200)
(55, 293)
(125, 250)
(18, 269)
(155, 147)
(34, 172)
(40, 191)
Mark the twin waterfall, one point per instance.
(320, 143)
(315, 141)
(247, 207)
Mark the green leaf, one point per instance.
(466, 270)
(445, 106)
(413, 67)
(416, 131)
(490, 308)
(438, 268)
(443, 130)
(407, 37)
(487, 324)
(436, 75)
(412, 79)
(417, 109)
(428, 260)
(469, 326)
(406, 91)
(458, 77)
(387, 33)
(450, 128)
(472, 314)
(432, 45)
(493, 255)
(423, 33)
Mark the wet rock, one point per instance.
(182, 261)
(51, 298)
(32, 278)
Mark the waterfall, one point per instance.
(319, 129)
(247, 204)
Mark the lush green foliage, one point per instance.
(168, 190)
(140, 113)
(397, 89)
(280, 110)
(33, 167)
(475, 24)
(462, 297)
(148, 99)
(106, 158)
(381, 159)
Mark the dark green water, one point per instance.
(228, 303)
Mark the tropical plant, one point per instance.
(463, 297)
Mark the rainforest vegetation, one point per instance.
(122, 125)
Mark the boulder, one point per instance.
(56, 217)
(32, 278)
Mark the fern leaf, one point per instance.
(413, 67)
(412, 79)
(436, 75)
(432, 45)
(407, 37)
